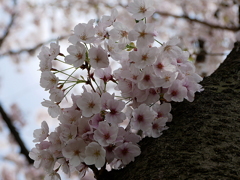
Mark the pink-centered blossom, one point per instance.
(148, 79)
(176, 92)
(85, 131)
(105, 134)
(104, 74)
(163, 64)
(163, 110)
(143, 117)
(127, 152)
(115, 116)
(94, 121)
(158, 125)
(143, 57)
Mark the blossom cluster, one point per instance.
(101, 128)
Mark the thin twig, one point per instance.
(33, 49)
(214, 26)
(14, 132)
(7, 31)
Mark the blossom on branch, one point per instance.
(102, 128)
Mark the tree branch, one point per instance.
(7, 31)
(239, 16)
(214, 26)
(14, 132)
(31, 50)
(203, 139)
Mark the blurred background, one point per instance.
(207, 29)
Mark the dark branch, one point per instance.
(30, 50)
(214, 26)
(7, 31)
(239, 16)
(14, 132)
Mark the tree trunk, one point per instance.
(203, 140)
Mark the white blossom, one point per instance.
(41, 134)
(53, 109)
(48, 80)
(95, 154)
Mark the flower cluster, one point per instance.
(102, 128)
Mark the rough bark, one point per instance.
(203, 140)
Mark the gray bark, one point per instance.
(203, 140)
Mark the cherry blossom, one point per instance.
(120, 33)
(35, 154)
(127, 152)
(95, 154)
(118, 106)
(56, 95)
(98, 57)
(141, 8)
(143, 57)
(105, 133)
(70, 117)
(163, 110)
(77, 54)
(83, 33)
(104, 74)
(143, 33)
(52, 176)
(177, 92)
(89, 103)
(68, 132)
(48, 160)
(109, 20)
(158, 126)
(163, 64)
(85, 131)
(75, 151)
(115, 116)
(143, 116)
(147, 79)
(41, 134)
(53, 109)
(45, 60)
(48, 80)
